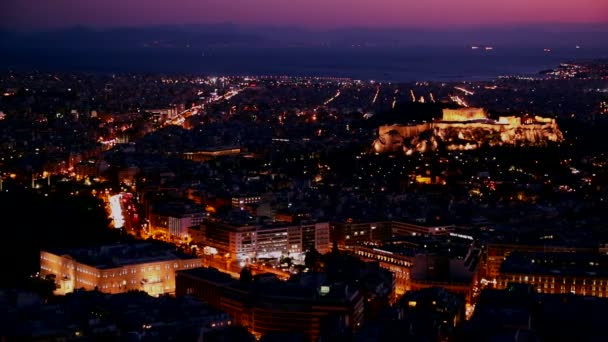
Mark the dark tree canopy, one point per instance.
(33, 221)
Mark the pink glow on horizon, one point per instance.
(307, 13)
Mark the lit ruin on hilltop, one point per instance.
(467, 129)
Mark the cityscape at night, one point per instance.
(304, 171)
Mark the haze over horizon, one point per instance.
(310, 14)
(379, 39)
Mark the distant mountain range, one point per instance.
(231, 35)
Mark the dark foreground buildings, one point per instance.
(308, 304)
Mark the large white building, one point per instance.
(145, 266)
(245, 242)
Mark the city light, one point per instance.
(116, 210)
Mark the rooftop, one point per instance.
(568, 264)
(209, 274)
(411, 245)
(122, 254)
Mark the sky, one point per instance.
(47, 14)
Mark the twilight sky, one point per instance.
(27, 14)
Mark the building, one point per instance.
(211, 153)
(399, 264)
(519, 313)
(118, 268)
(128, 175)
(349, 233)
(163, 114)
(241, 201)
(174, 217)
(432, 313)
(461, 122)
(456, 273)
(496, 253)
(420, 262)
(268, 305)
(557, 273)
(243, 241)
(96, 316)
(399, 228)
(90, 168)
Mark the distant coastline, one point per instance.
(379, 63)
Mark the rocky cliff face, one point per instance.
(467, 136)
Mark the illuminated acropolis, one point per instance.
(467, 129)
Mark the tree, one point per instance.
(286, 260)
(246, 276)
(312, 258)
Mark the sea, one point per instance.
(385, 64)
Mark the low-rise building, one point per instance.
(558, 273)
(250, 241)
(145, 266)
(349, 233)
(264, 305)
(92, 315)
(175, 217)
(419, 262)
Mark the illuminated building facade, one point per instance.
(464, 114)
(398, 264)
(246, 242)
(423, 262)
(348, 233)
(174, 218)
(163, 114)
(211, 153)
(473, 125)
(496, 253)
(119, 268)
(457, 274)
(243, 201)
(406, 229)
(557, 273)
(275, 306)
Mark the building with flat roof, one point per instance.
(419, 262)
(96, 316)
(497, 252)
(117, 268)
(174, 217)
(349, 233)
(211, 153)
(244, 241)
(266, 305)
(519, 313)
(557, 273)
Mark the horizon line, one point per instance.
(510, 26)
